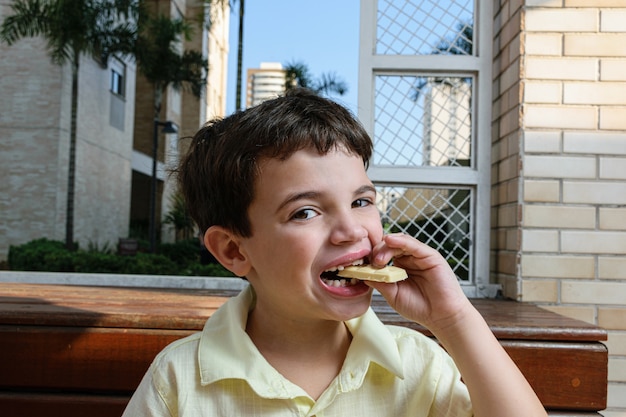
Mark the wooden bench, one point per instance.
(75, 351)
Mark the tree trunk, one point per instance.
(71, 171)
(239, 56)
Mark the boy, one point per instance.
(282, 192)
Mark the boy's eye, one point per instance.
(304, 214)
(361, 202)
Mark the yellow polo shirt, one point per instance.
(388, 371)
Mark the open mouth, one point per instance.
(330, 277)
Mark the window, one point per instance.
(117, 110)
(118, 77)
(424, 96)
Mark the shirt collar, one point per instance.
(226, 351)
(372, 342)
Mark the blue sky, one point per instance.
(324, 34)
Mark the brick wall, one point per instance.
(559, 164)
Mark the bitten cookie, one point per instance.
(369, 273)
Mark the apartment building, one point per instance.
(265, 82)
(114, 137)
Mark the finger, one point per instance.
(382, 254)
(386, 289)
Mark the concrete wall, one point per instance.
(34, 153)
(559, 164)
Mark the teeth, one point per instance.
(340, 282)
(340, 267)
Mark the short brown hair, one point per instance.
(218, 174)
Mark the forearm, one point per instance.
(496, 386)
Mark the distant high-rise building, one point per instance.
(265, 82)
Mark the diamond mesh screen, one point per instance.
(439, 217)
(422, 121)
(422, 27)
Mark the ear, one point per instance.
(224, 245)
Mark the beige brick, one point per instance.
(593, 242)
(594, 3)
(509, 122)
(508, 168)
(559, 166)
(613, 20)
(613, 168)
(613, 69)
(594, 143)
(600, 44)
(510, 287)
(575, 69)
(616, 343)
(561, 20)
(612, 93)
(559, 217)
(539, 291)
(543, 44)
(616, 398)
(557, 266)
(544, 3)
(510, 24)
(540, 240)
(601, 293)
(612, 318)
(542, 191)
(515, 50)
(613, 219)
(509, 77)
(512, 238)
(617, 369)
(554, 117)
(542, 92)
(594, 192)
(544, 142)
(508, 215)
(583, 313)
(507, 262)
(613, 118)
(612, 267)
(509, 191)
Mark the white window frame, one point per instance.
(117, 80)
(479, 65)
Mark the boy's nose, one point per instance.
(346, 230)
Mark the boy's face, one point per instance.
(311, 213)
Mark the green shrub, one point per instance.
(210, 270)
(59, 261)
(183, 253)
(36, 255)
(182, 258)
(152, 264)
(100, 262)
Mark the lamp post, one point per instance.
(168, 127)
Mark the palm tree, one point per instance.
(162, 65)
(299, 75)
(71, 29)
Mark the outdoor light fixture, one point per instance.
(168, 127)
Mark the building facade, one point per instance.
(559, 164)
(264, 83)
(114, 138)
(548, 142)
